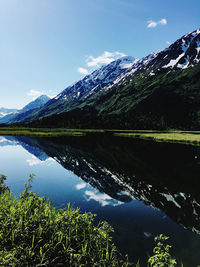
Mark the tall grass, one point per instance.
(33, 233)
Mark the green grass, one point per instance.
(34, 233)
(47, 132)
(41, 133)
(170, 137)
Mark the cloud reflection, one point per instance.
(102, 198)
(80, 186)
(35, 161)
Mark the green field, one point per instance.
(192, 138)
(47, 132)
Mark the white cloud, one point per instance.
(35, 94)
(162, 22)
(167, 42)
(105, 58)
(80, 186)
(95, 62)
(83, 71)
(153, 24)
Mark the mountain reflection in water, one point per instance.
(163, 176)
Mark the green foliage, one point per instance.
(33, 233)
(162, 256)
(3, 186)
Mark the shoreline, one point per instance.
(182, 137)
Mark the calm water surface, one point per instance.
(141, 188)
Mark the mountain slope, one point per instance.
(79, 92)
(38, 102)
(172, 100)
(157, 91)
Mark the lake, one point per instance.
(141, 188)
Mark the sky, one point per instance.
(46, 45)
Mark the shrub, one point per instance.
(162, 256)
(3, 186)
(33, 233)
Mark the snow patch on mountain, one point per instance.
(137, 65)
(97, 80)
(184, 52)
(184, 65)
(173, 62)
(186, 43)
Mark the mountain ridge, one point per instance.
(6, 111)
(129, 93)
(19, 114)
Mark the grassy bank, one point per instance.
(170, 137)
(185, 137)
(40, 132)
(47, 132)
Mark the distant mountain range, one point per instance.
(159, 91)
(6, 111)
(12, 116)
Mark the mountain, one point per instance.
(159, 91)
(6, 111)
(79, 92)
(38, 102)
(20, 114)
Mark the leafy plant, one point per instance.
(162, 256)
(33, 233)
(3, 186)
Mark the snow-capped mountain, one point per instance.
(137, 66)
(38, 102)
(183, 53)
(6, 111)
(18, 115)
(97, 80)
(80, 91)
(101, 91)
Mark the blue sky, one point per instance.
(46, 45)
